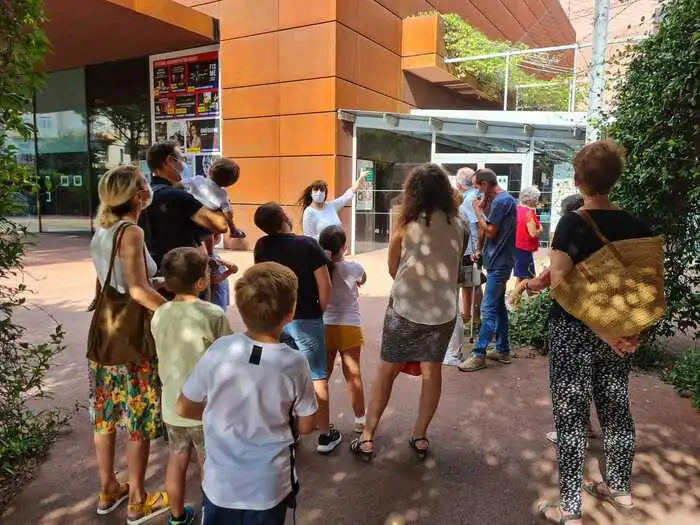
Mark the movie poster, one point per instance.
(186, 108)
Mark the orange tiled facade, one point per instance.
(288, 65)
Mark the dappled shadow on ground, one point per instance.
(490, 462)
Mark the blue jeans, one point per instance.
(213, 515)
(309, 337)
(494, 315)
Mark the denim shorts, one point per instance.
(309, 337)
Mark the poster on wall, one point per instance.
(365, 193)
(185, 104)
(562, 186)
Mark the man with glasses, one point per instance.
(175, 219)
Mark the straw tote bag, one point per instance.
(619, 290)
(120, 329)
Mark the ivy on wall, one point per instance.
(463, 40)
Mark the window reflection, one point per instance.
(118, 99)
(393, 155)
(63, 166)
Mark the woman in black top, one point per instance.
(583, 364)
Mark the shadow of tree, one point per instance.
(489, 462)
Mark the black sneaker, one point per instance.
(327, 443)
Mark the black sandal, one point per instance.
(356, 448)
(602, 492)
(420, 452)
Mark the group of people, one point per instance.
(242, 400)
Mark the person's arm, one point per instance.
(309, 223)
(536, 284)
(193, 399)
(305, 404)
(189, 409)
(394, 257)
(489, 225)
(323, 281)
(231, 269)
(534, 229)
(211, 220)
(133, 260)
(222, 327)
(346, 198)
(361, 275)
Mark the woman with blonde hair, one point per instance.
(124, 385)
(425, 257)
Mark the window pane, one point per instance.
(120, 116)
(63, 161)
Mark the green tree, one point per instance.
(656, 117)
(24, 433)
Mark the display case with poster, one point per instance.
(185, 104)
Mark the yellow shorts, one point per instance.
(342, 337)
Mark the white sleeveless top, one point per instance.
(425, 288)
(101, 251)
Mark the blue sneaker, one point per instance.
(187, 517)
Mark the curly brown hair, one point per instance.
(427, 189)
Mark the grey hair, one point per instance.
(531, 195)
(464, 177)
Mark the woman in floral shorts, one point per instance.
(124, 384)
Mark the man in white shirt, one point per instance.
(255, 395)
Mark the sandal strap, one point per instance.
(153, 499)
(415, 440)
(105, 497)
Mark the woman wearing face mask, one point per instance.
(124, 386)
(318, 212)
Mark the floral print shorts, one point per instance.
(126, 396)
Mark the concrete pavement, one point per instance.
(490, 462)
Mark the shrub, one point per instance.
(656, 119)
(685, 376)
(528, 322)
(25, 433)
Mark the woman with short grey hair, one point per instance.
(527, 236)
(530, 196)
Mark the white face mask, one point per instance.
(149, 199)
(318, 196)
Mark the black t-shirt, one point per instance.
(303, 256)
(167, 222)
(575, 236)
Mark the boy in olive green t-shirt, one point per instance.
(183, 330)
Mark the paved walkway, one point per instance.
(490, 461)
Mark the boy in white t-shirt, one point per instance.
(254, 395)
(210, 190)
(342, 320)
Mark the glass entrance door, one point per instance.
(509, 167)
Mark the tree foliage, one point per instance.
(24, 432)
(656, 117)
(552, 90)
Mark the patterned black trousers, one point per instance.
(583, 367)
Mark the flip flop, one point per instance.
(594, 489)
(551, 504)
(108, 503)
(420, 452)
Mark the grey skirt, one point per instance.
(404, 341)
